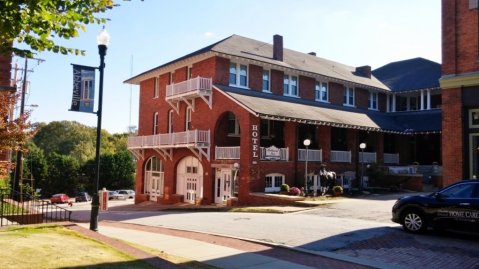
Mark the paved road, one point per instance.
(359, 228)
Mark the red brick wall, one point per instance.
(336, 93)
(361, 98)
(277, 82)
(255, 77)
(459, 37)
(452, 136)
(306, 87)
(181, 74)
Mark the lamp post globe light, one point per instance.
(306, 143)
(362, 146)
(103, 38)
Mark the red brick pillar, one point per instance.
(452, 136)
(324, 138)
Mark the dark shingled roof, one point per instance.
(409, 75)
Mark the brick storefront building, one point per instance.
(231, 119)
(460, 89)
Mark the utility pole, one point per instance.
(18, 180)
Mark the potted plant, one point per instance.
(284, 189)
(337, 190)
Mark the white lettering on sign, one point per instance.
(254, 139)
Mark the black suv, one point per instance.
(453, 207)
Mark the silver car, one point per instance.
(127, 193)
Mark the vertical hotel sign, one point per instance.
(83, 97)
(255, 141)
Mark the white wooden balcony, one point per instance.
(367, 157)
(274, 154)
(187, 91)
(227, 153)
(339, 156)
(198, 141)
(314, 155)
(391, 158)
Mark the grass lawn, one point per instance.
(49, 246)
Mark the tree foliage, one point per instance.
(37, 23)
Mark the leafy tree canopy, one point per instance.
(37, 23)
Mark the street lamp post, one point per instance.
(306, 143)
(362, 146)
(103, 39)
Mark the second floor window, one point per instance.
(188, 119)
(170, 121)
(373, 100)
(238, 75)
(348, 96)
(156, 93)
(266, 81)
(321, 91)
(155, 123)
(290, 85)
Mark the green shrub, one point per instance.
(285, 188)
(338, 189)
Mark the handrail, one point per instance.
(194, 137)
(198, 83)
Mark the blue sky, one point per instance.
(150, 33)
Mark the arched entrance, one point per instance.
(154, 178)
(190, 179)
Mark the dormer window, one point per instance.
(321, 91)
(348, 96)
(290, 85)
(373, 100)
(238, 75)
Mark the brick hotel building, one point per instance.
(227, 121)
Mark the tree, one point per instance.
(37, 23)
(14, 132)
(63, 173)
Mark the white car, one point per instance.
(127, 193)
(114, 195)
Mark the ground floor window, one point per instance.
(273, 182)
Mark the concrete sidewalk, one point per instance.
(211, 254)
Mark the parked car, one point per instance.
(114, 195)
(59, 198)
(453, 207)
(128, 193)
(82, 197)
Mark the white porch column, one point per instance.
(388, 101)
(394, 103)
(422, 100)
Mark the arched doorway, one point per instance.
(190, 179)
(154, 178)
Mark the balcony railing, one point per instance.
(227, 153)
(314, 155)
(339, 156)
(188, 86)
(274, 154)
(391, 158)
(367, 157)
(170, 140)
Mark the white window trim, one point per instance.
(188, 118)
(157, 88)
(289, 86)
(320, 91)
(190, 72)
(238, 76)
(274, 188)
(170, 121)
(155, 123)
(172, 78)
(354, 96)
(370, 98)
(471, 111)
(269, 81)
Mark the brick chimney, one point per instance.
(278, 47)
(312, 53)
(363, 71)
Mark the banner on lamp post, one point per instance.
(83, 98)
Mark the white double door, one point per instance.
(190, 179)
(223, 185)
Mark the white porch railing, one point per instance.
(391, 158)
(282, 154)
(227, 153)
(339, 156)
(314, 155)
(186, 86)
(170, 140)
(367, 157)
